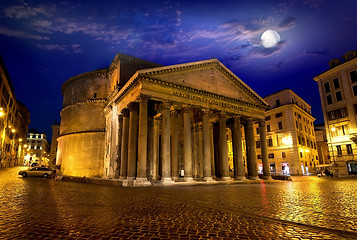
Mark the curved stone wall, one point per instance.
(82, 131)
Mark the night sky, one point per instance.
(43, 43)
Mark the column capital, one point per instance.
(173, 112)
(186, 108)
(261, 122)
(222, 115)
(165, 105)
(205, 111)
(237, 116)
(125, 112)
(142, 98)
(133, 106)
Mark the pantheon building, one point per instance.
(141, 122)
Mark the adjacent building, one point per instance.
(338, 94)
(291, 138)
(37, 148)
(322, 147)
(53, 149)
(14, 122)
(139, 121)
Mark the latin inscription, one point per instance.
(209, 101)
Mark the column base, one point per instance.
(122, 178)
(253, 178)
(126, 183)
(208, 179)
(241, 178)
(226, 178)
(188, 179)
(175, 179)
(267, 178)
(167, 181)
(142, 182)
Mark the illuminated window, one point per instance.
(271, 155)
(349, 149)
(339, 150)
(283, 154)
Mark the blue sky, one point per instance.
(43, 43)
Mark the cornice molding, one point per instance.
(100, 100)
(98, 73)
(82, 132)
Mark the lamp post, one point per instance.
(333, 129)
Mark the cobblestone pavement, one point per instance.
(308, 208)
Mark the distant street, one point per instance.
(307, 208)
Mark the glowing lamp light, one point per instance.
(2, 113)
(13, 130)
(307, 150)
(333, 129)
(25, 146)
(20, 139)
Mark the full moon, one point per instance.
(270, 38)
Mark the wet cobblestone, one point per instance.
(35, 208)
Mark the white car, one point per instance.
(37, 172)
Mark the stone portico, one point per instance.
(169, 124)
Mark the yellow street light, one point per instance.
(2, 113)
(20, 139)
(333, 129)
(13, 130)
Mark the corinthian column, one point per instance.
(223, 147)
(264, 149)
(187, 143)
(133, 140)
(206, 142)
(165, 143)
(251, 154)
(142, 141)
(239, 170)
(174, 146)
(124, 145)
(155, 151)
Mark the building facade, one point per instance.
(37, 149)
(291, 139)
(14, 122)
(54, 144)
(338, 94)
(322, 147)
(138, 121)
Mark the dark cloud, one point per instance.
(324, 52)
(287, 22)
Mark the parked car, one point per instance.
(37, 172)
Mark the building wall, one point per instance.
(289, 127)
(14, 122)
(82, 129)
(37, 149)
(338, 94)
(54, 144)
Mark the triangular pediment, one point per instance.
(210, 76)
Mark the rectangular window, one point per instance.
(267, 118)
(280, 125)
(339, 150)
(329, 99)
(259, 156)
(268, 128)
(354, 88)
(278, 115)
(353, 76)
(257, 144)
(297, 124)
(349, 149)
(270, 142)
(271, 155)
(338, 96)
(283, 154)
(327, 87)
(257, 129)
(277, 102)
(336, 83)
